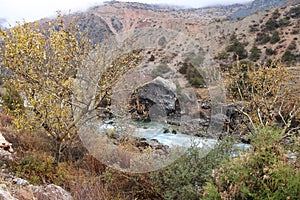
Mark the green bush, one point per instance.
(265, 173)
(288, 57)
(262, 38)
(160, 70)
(275, 37)
(238, 49)
(255, 53)
(183, 178)
(276, 14)
(284, 22)
(39, 168)
(193, 75)
(270, 51)
(222, 55)
(272, 24)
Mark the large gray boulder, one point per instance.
(155, 98)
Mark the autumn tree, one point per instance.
(267, 95)
(45, 64)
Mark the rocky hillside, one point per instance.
(188, 46)
(275, 32)
(178, 83)
(257, 5)
(275, 29)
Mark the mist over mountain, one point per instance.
(257, 5)
(2, 21)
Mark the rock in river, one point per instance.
(154, 100)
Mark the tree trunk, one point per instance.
(57, 152)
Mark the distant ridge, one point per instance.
(255, 6)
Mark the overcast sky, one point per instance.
(30, 10)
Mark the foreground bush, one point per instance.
(270, 171)
(183, 178)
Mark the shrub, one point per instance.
(233, 37)
(276, 14)
(284, 22)
(193, 75)
(295, 31)
(261, 87)
(38, 168)
(265, 173)
(254, 28)
(272, 24)
(152, 58)
(275, 37)
(183, 178)
(238, 49)
(262, 38)
(255, 53)
(294, 12)
(288, 57)
(160, 70)
(222, 55)
(270, 51)
(162, 41)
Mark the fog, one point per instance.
(31, 10)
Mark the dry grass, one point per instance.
(83, 176)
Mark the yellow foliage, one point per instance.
(44, 63)
(265, 92)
